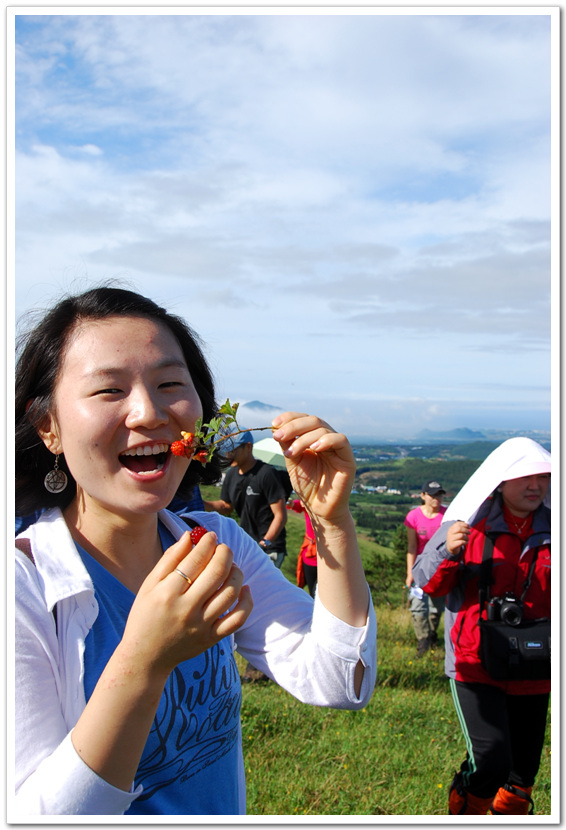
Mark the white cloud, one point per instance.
(91, 150)
(377, 185)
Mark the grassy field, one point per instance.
(396, 757)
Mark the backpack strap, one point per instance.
(485, 572)
(24, 545)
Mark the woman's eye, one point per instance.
(170, 383)
(110, 391)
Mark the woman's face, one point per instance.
(523, 495)
(432, 502)
(123, 395)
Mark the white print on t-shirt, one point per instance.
(197, 722)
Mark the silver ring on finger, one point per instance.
(188, 579)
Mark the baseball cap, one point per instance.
(433, 488)
(230, 444)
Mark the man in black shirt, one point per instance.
(254, 490)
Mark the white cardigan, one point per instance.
(310, 653)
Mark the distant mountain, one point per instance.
(255, 414)
(261, 407)
(460, 434)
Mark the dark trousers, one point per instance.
(311, 575)
(504, 736)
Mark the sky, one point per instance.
(352, 210)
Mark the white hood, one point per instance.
(515, 458)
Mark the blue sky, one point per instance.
(352, 210)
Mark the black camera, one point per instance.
(508, 609)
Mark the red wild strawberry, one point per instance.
(197, 533)
(178, 448)
(202, 456)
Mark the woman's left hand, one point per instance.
(320, 463)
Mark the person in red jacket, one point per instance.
(306, 560)
(504, 721)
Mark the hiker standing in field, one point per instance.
(491, 559)
(306, 560)
(422, 523)
(255, 491)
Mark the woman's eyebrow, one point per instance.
(171, 363)
(106, 371)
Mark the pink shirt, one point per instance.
(425, 528)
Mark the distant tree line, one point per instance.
(410, 475)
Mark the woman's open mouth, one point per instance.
(145, 460)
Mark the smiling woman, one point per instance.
(130, 702)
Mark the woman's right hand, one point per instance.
(172, 620)
(457, 537)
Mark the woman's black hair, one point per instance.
(40, 355)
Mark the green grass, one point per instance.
(395, 757)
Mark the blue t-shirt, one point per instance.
(190, 762)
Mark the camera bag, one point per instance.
(512, 652)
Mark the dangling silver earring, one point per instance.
(56, 480)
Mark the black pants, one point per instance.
(504, 736)
(311, 575)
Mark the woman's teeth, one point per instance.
(148, 450)
(147, 459)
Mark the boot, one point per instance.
(512, 801)
(422, 646)
(463, 803)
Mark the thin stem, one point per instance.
(238, 432)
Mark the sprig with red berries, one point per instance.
(205, 440)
